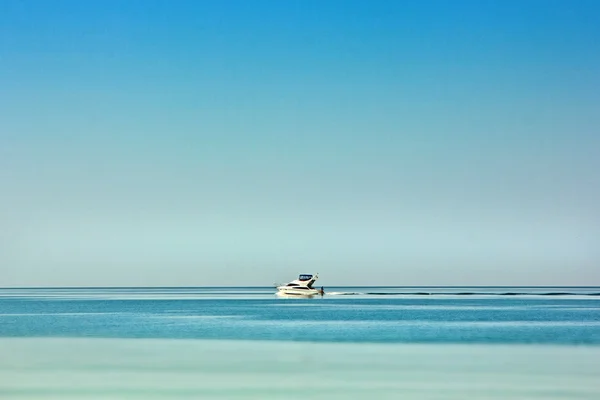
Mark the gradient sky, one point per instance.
(161, 143)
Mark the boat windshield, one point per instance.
(305, 277)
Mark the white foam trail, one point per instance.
(343, 293)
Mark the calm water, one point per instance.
(385, 315)
(226, 343)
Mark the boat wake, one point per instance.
(343, 293)
(462, 293)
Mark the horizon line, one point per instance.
(269, 286)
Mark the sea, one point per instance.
(350, 343)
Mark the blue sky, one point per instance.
(243, 142)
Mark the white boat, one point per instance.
(303, 286)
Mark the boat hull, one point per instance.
(297, 292)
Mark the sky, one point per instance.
(209, 143)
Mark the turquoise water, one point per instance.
(246, 343)
(52, 368)
(376, 315)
